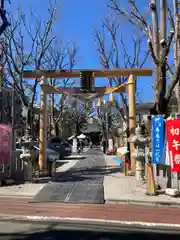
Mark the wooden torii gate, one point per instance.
(130, 88)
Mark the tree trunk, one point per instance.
(29, 118)
(159, 43)
(177, 47)
(162, 68)
(156, 48)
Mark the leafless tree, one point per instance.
(159, 44)
(174, 17)
(28, 40)
(77, 114)
(59, 56)
(110, 57)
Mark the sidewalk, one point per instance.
(125, 189)
(30, 190)
(27, 190)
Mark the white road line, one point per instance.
(86, 220)
(70, 193)
(147, 224)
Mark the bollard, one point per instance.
(126, 170)
(125, 165)
(151, 188)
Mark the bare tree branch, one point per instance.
(177, 79)
(60, 55)
(19, 57)
(158, 43)
(112, 28)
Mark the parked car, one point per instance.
(59, 145)
(51, 155)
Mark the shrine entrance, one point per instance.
(87, 87)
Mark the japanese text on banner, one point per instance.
(157, 140)
(173, 138)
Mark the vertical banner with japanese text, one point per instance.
(157, 140)
(173, 139)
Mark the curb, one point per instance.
(28, 197)
(143, 202)
(94, 224)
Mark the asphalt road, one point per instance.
(28, 231)
(83, 183)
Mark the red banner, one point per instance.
(173, 138)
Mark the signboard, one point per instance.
(173, 139)
(157, 140)
(5, 144)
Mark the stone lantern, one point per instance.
(28, 156)
(140, 141)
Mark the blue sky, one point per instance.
(75, 22)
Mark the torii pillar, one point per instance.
(43, 128)
(108, 73)
(132, 115)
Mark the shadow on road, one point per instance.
(82, 174)
(82, 183)
(85, 235)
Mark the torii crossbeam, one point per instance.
(131, 74)
(107, 73)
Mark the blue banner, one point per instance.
(157, 140)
